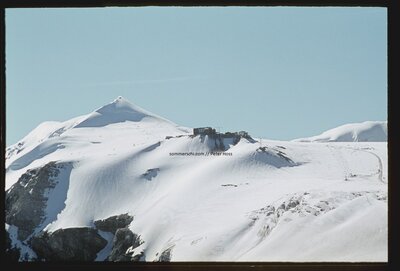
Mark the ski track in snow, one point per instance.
(380, 167)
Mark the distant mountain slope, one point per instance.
(123, 184)
(368, 131)
(119, 118)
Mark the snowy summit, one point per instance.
(123, 184)
(119, 110)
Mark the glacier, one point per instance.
(317, 199)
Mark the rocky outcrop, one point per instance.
(166, 255)
(302, 205)
(25, 201)
(113, 223)
(150, 173)
(220, 142)
(12, 253)
(15, 149)
(72, 244)
(125, 239)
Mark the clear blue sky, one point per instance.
(279, 73)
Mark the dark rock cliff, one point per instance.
(72, 244)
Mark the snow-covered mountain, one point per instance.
(368, 131)
(123, 184)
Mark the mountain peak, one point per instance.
(119, 110)
(121, 99)
(120, 104)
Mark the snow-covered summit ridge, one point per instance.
(368, 131)
(120, 110)
(119, 105)
(135, 122)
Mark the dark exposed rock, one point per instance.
(166, 255)
(292, 204)
(72, 244)
(138, 257)
(14, 150)
(113, 223)
(220, 142)
(124, 239)
(229, 184)
(25, 201)
(150, 173)
(283, 155)
(12, 253)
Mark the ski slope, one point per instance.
(279, 201)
